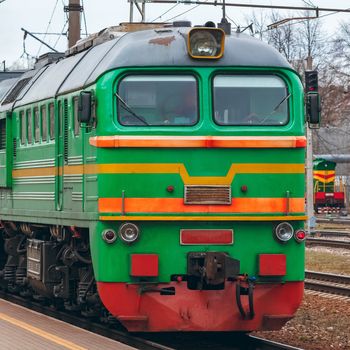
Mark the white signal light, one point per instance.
(284, 231)
(129, 232)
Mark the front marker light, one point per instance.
(129, 232)
(300, 235)
(109, 236)
(284, 231)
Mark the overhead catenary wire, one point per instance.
(302, 21)
(48, 26)
(164, 13)
(62, 33)
(182, 13)
(84, 17)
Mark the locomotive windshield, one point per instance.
(250, 100)
(155, 100)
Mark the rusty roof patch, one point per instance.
(165, 41)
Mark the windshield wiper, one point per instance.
(285, 98)
(129, 109)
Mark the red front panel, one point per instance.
(339, 195)
(195, 310)
(206, 237)
(144, 265)
(320, 195)
(272, 264)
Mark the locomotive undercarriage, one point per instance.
(51, 264)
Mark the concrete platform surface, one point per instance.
(23, 329)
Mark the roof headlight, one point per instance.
(284, 232)
(206, 43)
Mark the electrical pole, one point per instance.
(74, 9)
(311, 221)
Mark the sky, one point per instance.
(41, 16)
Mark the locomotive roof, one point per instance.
(156, 47)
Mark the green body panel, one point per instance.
(154, 185)
(322, 164)
(65, 199)
(6, 154)
(112, 262)
(56, 190)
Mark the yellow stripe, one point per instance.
(323, 180)
(179, 168)
(171, 168)
(324, 172)
(203, 218)
(53, 338)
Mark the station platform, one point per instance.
(24, 329)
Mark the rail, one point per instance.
(328, 283)
(331, 243)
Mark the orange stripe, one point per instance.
(176, 205)
(204, 218)
(199, 141)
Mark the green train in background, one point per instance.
(157, 176)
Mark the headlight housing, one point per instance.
(206, 43)
(129, 232)
(109, 236)
(284, 232)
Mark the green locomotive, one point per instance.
(161, 173)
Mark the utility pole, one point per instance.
(74, 9)
(311, 221)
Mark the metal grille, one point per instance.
(206, 194)
(34, 259)
(2, 133)
(14, 147)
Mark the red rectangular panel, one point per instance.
(320, 195)
(339, 195)
(272, 265)
(206, 237)
(144, 265)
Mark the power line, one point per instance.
(165, 12)
(48, 26)
(279, 7)
(180, 14)
(304, 20)
(62, 32)
(85, 24)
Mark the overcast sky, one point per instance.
(34, 16)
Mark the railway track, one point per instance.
(330, 233)
(151, 341)
(332, 243)
(334, 220)
(327, 283)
